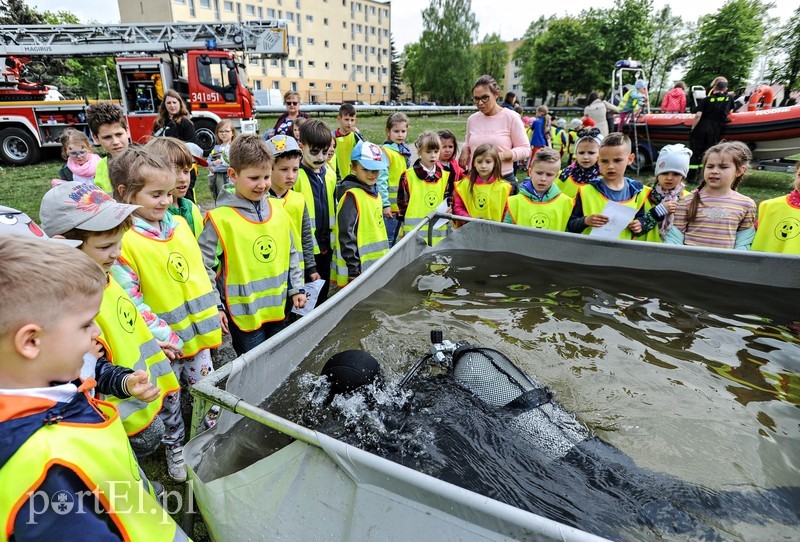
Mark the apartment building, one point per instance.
(512, 76)
(338, 49)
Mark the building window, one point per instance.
(358, 28)
(360, 69)
(273, 62)
(270, 13)
(290, 16)
(251, 10)
(372, 10)
(344, 46)
(359, 89)
(326, 43)
(372, 30)
(372, 89)
(310, 41)
(358, 8)
(344, 86)
(292, 40)
(344, 25)
(227, 6)
(258, 84)
(311, 63)
(191, 8)
(384, 90)
(372, 50)
(292, 63)
(359, 49)
(293, 86)
(328, 86)
(310, 18)
(204, 4)
(327, 65)
(312, 85)
(325, 21)
(372, 69)
(276, 85)
(180, 1)
(344, 67)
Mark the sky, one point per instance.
(509, 18)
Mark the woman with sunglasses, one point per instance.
(496, 126)
(81, 159)
(284, 124)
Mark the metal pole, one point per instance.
(108, 86)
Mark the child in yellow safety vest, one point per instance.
(484, 193)
(316, 181)
(60, 445)
(614, 158)
(346, 135)
(248, 250)
(584, 168)
(85, 213)
(778, 226)
(672, 166)
(109, 127)
(423, 187)
(361, 235)
(158, 267)
(540, 204)
(559, 139)
(398, 155)
(287, 155)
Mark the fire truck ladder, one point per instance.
(264, 38)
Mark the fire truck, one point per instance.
(201, 61)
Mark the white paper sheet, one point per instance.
(312, 294)
(619, 216)
(442, 208)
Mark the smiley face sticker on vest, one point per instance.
(788, 228)
(481, 200)
(126, 313)
(541, 221)
(431, 199)
(178, 267)
(265, 249)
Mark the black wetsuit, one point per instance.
(706, 134)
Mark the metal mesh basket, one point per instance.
(492, 377)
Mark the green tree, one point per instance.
(396, 74)
(670, 47)
(492, 58)
(562, 41)
(18, 12)
(413, 69)
(727, 42)
(527, 60)
(449, 31)
(786, 47)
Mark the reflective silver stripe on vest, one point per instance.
(366, 250)
(193, 306)
(249, 309)
(198, 328)
(252, 288)
(393, 194)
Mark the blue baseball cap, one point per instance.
(369, 155)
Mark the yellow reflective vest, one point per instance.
(397, 165)
(371, 235)
(295, 204)
(568, 187)
(593, 203)
(344, 147)
(129, 343)
(100, 454)
(256, 264)
(174, 283)
(778, 227)
(486, 201)
(423, 198)
(558, 139)
(303, 186)
(101, 178)
(550, 215)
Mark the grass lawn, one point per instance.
(23, 187)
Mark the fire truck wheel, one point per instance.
(204, 134)
(18, 148)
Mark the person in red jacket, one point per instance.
(675, 100)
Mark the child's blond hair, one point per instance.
(38, 278)
(133, 168)
(249, 150)
(172, 150)
(428, 141)
(71, 136)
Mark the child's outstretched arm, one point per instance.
(125, 275)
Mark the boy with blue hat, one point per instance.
(361, 239)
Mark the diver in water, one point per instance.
(595, 485)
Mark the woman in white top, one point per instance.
(598, 111)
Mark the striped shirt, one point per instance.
(718, 219)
